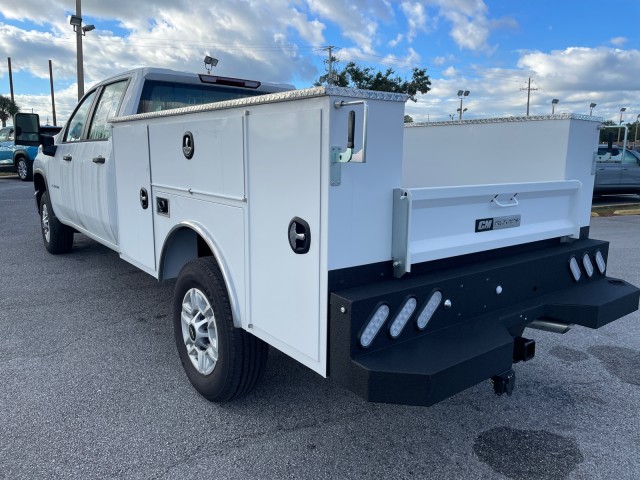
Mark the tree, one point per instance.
(408, 119)
(604, 133)
(368, 78)
(8, 108)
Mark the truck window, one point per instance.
(157, 96)
(78, 119)
(106, 109)
(6, 135)
(629, 158)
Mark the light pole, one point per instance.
(461, 112)
(76, 22)
(622, 110)
(461, 95)
(554, 102)
(591, 107)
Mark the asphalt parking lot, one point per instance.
(91, 387)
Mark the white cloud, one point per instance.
(357, 19)
(471, 26)
(619, 41)
(585, 69)
(394, 43)
(416, 18)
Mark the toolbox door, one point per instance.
(284, 165)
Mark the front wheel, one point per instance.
(222, 362)
(57, 237)
(25, 169)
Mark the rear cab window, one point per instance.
(158, 95)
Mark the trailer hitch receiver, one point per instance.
(504, 382)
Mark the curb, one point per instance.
(609, 210)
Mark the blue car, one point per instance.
(18, 158)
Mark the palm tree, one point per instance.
(8, 108)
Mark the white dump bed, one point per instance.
(477, 185)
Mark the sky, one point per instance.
(577, 51)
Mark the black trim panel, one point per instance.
(491, 301)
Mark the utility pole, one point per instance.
(79, 60)
(80, 30)
(528, 89)
(53, 100)
(10, 78)
(330, 64)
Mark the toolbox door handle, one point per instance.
(513, 202)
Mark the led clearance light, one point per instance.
(373, 327)
(602, 265)
(588, 266)
(429, 309)
(404, 316)
(575, 269)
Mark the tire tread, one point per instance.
(61, 236)
(247, 354)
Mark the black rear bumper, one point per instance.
(490, 303)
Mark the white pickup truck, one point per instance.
(405, 263)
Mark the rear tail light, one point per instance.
(602, 265)
(575, 269)
(373, 326)
(403, 317)
(429, 309)
(588, 266)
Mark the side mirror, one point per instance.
(27, 129)
(48, 145)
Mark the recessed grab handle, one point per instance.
(513, 201)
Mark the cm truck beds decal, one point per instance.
(497, 223)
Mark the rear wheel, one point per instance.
(57, 237)
(222, 362)
(25, 169)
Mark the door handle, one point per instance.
(299, 236)
(144, 198)
(98, 159)
(67, 158)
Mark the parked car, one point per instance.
(617, 171)
(18, 158)
(6, 154)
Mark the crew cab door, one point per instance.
(86, 168)
(60, 169)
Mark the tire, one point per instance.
(25, 169)
(222, 362)
(58, 238)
